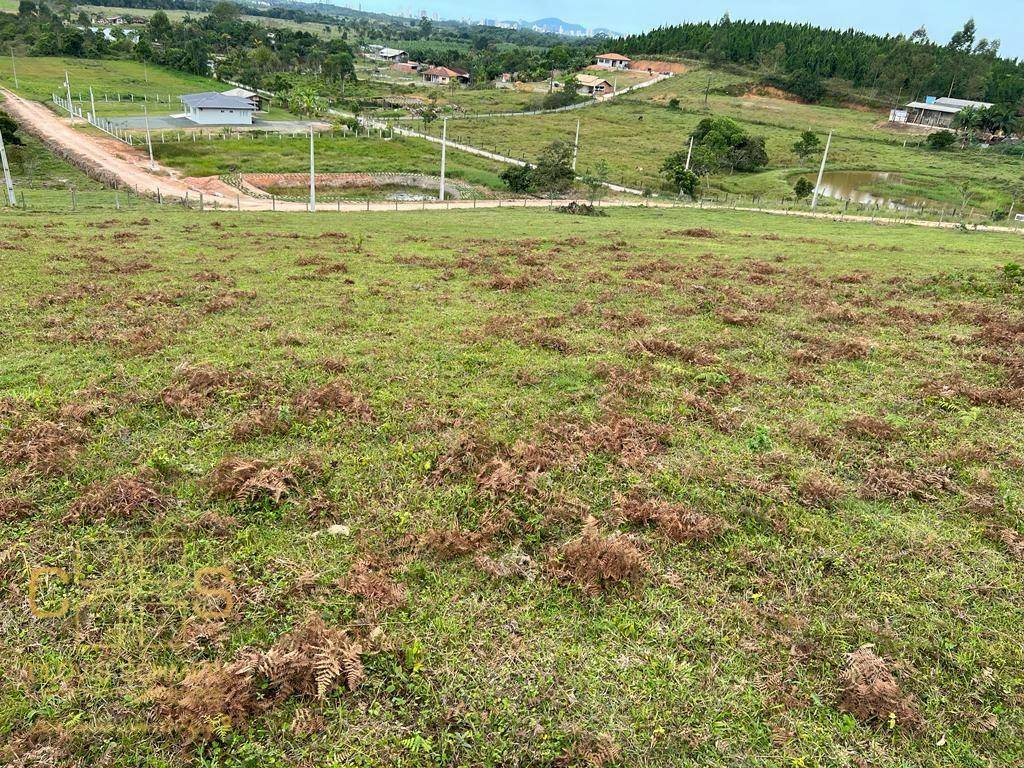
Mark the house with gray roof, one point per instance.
(217, 109)
(938, 113)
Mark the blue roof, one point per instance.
(212, 100)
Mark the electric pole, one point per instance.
(576, 146)
(689, 154)
(444, 147)
(821, 172)
(7, 173)
(312, 174)
(67, 84)
(14, 68)
(149, 141)
(92, 100)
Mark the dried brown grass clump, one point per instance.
(1013, 541)
(463, 452)
(260, 422)
(193, 387)
(256, 479)
(12, 509)
(308, 663)
(598, 562)
(227, 300)
(737, 317)
(370, 581)
(124, 498)
(886, 481)
(630, 440)
(871, 693)
(817, 490)
(624, 382)
(849, 349)
(591, 751)
(668, 348)
(452, 543)
(699, 232)
(677, 522)
(519, 282)
(44, 447)
(869, 427)
(334, 396)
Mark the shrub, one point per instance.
(940, 140)
(802, 188)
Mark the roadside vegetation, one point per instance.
(508, 487)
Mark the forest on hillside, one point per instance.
(900, 67)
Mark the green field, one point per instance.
(333, 155)
(794, 438)
(635, 133)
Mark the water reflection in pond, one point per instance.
(855, 186)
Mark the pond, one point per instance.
(862, 187)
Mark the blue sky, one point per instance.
(1003, 19)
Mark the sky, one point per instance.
(1003, 19)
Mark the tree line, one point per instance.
(803, 55)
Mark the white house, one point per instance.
(251, 96)
(217, 109)
(393, 55)
(613, 61)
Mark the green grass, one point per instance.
(333, 155)
(726, 652)
(634, 134)
(8, 6)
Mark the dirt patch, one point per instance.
(872, 695)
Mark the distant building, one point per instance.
(937, 113)
(613, 61)
(589, 85)
(445, 75)
(251, 96)
(392, 55)
(217, 109)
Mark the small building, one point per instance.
(590, 85)
(392, 55)
(933, 112)
(217, 109)
(251, 96)
(406, 67)
(445, 75)
(613, 61)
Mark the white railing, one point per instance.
(99, 123)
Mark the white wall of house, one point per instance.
(207, 116)
(613, 63)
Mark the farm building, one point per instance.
(445, 75)
(613, 61)
(589, 85)
(217, 109)
(392, 55)
(938, 113)
(251, 96)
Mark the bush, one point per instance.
(802, 188)
(9, 129)
(940, 140)
(581, 209)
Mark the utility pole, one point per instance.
(444, 147)
(92, 100)
(707, 91)
(145, 70)
(67, 84)
(821, 172)
(149, 141)
(689, 154)
(14, 68)
(7, 173)
(576, 146)
(312, 174)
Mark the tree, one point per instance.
(940, 140)
(808, 145)
(306, 100)
(553, 173)
(963, 41)
(159, 26)
(803, 188)
(518, 179)
(675, 169)
(594, 180)
(9, 129)
(721, 144)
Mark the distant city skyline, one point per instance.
(941, 19)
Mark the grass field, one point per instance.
(333, 155)
(795, 438)
(634, 134)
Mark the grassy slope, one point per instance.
(726, 653)
(635, 133)
(282, 155)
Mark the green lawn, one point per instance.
(806, 434)
(333, 155)
(8, 6)
(634, 134)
